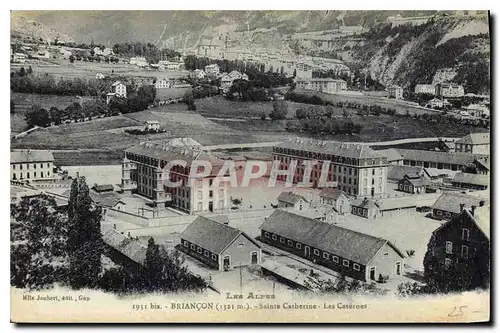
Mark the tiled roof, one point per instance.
(471, 178)
(349, 244)
(475, 139)
(482, 219)
(418, 181)
(211, 235)
(104, 187)
(450, 202)
(29, 155)
(290, 197)
(331, 193)
(128, 246)
(351, 150)
(397, 172)
(484, 164)
(437, 156)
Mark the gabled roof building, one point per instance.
(219, 245)
(353, 254)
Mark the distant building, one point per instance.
(337, 199)
(475, 143)
(152, 125)
(449, 90)
(198, 74)
(357, 169)
(395, 91)
(371, 209)
(437, 103)
(118, 90)
(449, 204)
(471, 181)
(478, 110)
(219, 245)
(327, 86)
(31, 165)
(19, 58)
(212, 69)
(350, 253)
(163, 84)
(290, 199)
(100, 76)
(428, 89)
(461, 249)
(413, 183)
(438, 160)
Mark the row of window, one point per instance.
(28, 166)
(28, 175)
(200, 250)
(316, 252)
(359, 211)
(210, 194)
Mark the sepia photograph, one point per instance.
(258, 166)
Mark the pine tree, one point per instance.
(84, 236)
(38, 238)
(154, 265)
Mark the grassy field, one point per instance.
(84, 69)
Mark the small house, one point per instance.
(290, 199)
(219, 245)
(335, 198)
(152, 125)
(413, 183)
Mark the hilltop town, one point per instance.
(99, 133)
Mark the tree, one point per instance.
(12, 107)
(38, 238)
(189, 100)
(30, 70)
(280, 110)
(71, 58)
(154, 264)
(22, 72)
(37, 116)
(84, 236)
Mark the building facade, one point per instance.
(353, 254)
(162, 84)
(475, 143)
(328, 86)
(427, 89)
(358, 170)
(449, 90)
(144, 171)
(413, 183)
(337, 199)
(31, 165)
(395, 92)
(460, 252)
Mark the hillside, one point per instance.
(22, 25)
(404, 48)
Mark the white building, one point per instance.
(162, 84)
(395, 91)
(328, 85)
(212, 69)
(118, 89)
(152, 125)
(428, 89)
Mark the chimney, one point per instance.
(472, 210)
(462, 207)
